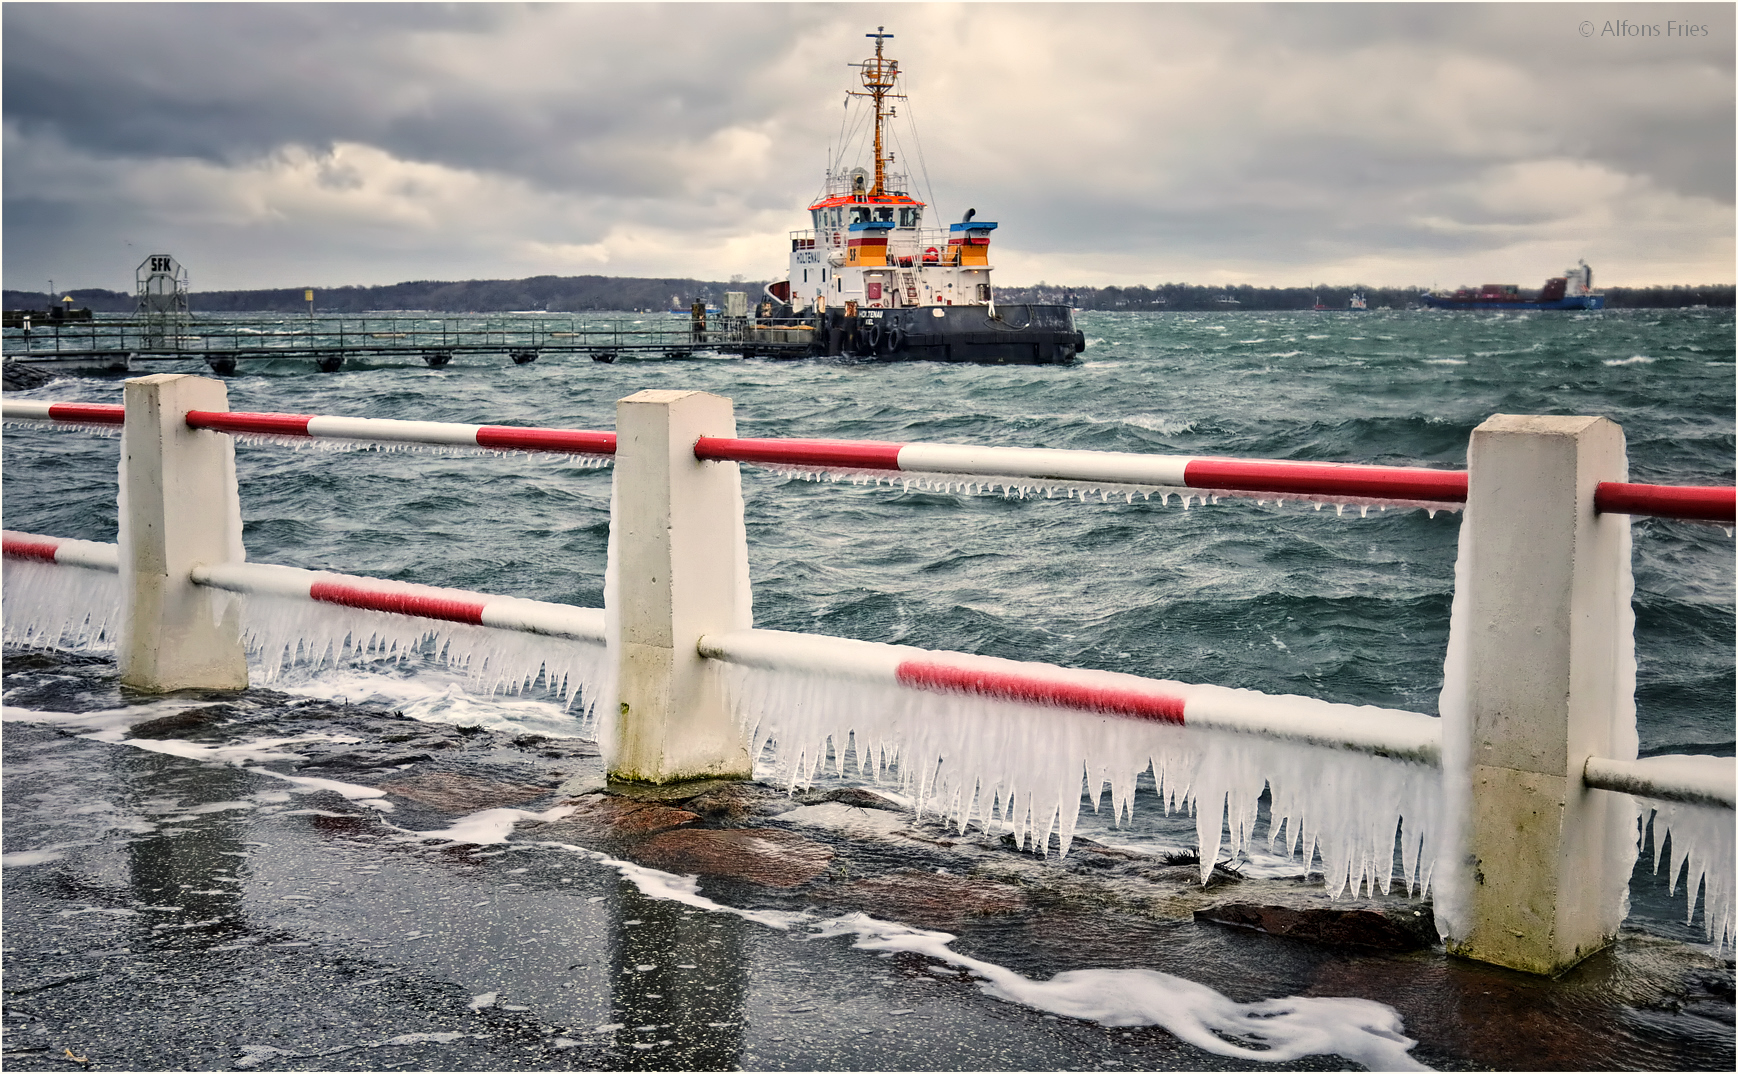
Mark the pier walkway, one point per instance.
(328, 341)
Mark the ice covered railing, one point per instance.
(1532, 847)
(291, 616)
(943, 467)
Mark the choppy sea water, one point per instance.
(1279, 598)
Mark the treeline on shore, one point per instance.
(559, 294)
(1190, 297)
(578, 293)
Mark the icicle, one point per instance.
(1701, 838)
(1019, 769)
(55, 607)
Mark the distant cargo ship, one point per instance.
(1571, 291)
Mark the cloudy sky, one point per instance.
(309, 144)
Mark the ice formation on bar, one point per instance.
(1021, 488)
(60, 607)
(342, 445)
(282, 632)
(1700, 836)
(1019, 767)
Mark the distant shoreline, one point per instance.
(574, 294)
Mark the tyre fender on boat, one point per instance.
(893, 340)
(872, 336)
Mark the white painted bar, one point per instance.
(813, 654)
(1111, 467)
(25, 410)
(392, 430)
(93, 555)
(1677, 777)
(543, 617)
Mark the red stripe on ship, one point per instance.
(1010, 686)
(227, 421)
(572, 440)
(418, 604)
(18, 549)
(858, 454)
(1707, 503)
(1327, 478)
(91, 413)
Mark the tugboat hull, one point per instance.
(1018, 334)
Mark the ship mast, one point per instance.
(879, 74)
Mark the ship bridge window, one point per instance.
(908, 217)
(859, 216)
(884, 214)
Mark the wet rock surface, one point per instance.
(1385, 928)
(762, 856)
(192, 912)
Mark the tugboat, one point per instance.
(1571, 291)
(872, 282)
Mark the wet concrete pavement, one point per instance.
(191, 910)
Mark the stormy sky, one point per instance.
(272, 145)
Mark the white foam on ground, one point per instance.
(372, 797)
(486, 828)
(1267, 1031)
(20, 858)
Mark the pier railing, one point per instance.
(1534, 709)
(329, 341)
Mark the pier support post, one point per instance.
(1546, 678)
(179, 508)
(680, 571)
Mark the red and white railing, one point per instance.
(1537, 486)
(1211, 476)
(1363, 728)
(405, 598)
(1386, 732)
(61, 551)
(350, 591)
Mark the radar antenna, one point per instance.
(879, 75)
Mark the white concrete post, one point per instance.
(179, 508)
(681, 572)
(1547, 638)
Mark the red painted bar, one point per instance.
(1328, 479)
(929, 675)
(1704, 503)
(92, 413)
(856, 454)
(21, 549)
(567, 440)
(226, 421)
(428, 607)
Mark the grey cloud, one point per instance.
(1284, 135)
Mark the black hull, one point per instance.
(1016, 335)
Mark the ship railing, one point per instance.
(1548, 500)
